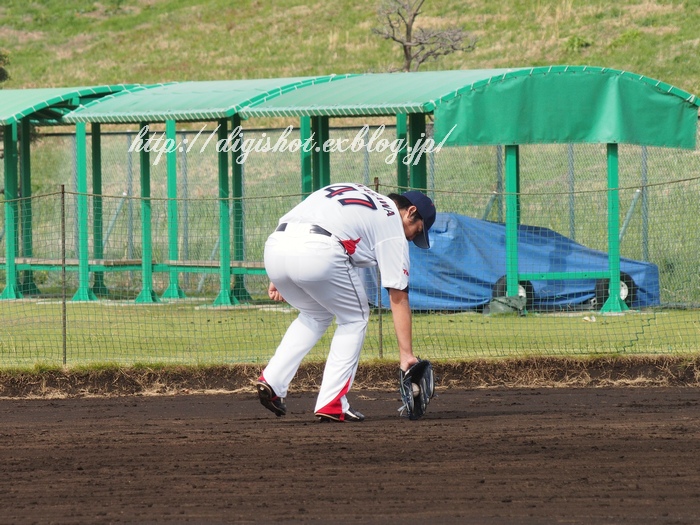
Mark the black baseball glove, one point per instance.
(417, 388)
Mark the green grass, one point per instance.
(82, 42)
(192, 332)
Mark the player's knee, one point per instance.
(316, 324)
(358, 326)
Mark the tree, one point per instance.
(398, 18)
(4, 75)
(4, 61)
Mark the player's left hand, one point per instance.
(417, 388)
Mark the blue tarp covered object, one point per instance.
(468, 256)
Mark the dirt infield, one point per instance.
(483, 455)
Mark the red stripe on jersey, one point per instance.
(350, 245)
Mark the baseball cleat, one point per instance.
(269, 399)
(350, 415)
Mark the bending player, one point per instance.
(312, 259)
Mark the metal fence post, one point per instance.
(379, 295)
(366, 156)
(185, 212)
(499, 181)
(64, 291)
(572, 203)
(645, 206)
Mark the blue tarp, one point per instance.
(468, 256)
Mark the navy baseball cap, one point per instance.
(426, 209)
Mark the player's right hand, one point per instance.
(408, 362)
(274, 294)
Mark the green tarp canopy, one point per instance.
(532, 105)
(556, 104)
(568, 105)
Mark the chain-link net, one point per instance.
(51, 314)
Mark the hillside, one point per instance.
(82, 42)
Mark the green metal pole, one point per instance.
(401, 167)
(84, 293)
(28, 285)
(321, 159)
(98, 285)
(237, 204)
(499, 182)
(325, 171)
(12, 289)
(147, 295)
(173, 291)
(613, 303)
(645, 205)
(512, 218)
(239, 292)
(307, 181)
(224, 298)
(417, 169)
(315, 154)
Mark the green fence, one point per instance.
(563, 188)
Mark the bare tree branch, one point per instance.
(4, 61)
(418, 45)
(4, 75)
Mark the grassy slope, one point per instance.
(79, 42)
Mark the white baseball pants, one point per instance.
(313, 273)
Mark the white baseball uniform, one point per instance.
(312, 259)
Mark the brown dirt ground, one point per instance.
(536, 441)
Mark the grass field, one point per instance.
(194, 332)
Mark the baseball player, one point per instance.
(312, 260)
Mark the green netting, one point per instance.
(563, 189)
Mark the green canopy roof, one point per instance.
(555, 104)
(372, 94)
(568, 104)
(511, 106)
(47, 105)
(190, 101)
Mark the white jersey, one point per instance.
(366, 223)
